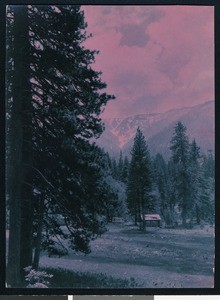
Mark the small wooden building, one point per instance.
(151, 220)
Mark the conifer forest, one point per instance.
(75, 213)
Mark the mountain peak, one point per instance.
(158, 127)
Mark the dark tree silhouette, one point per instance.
(55, 102)
(139, 180)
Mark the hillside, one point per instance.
(158, 129)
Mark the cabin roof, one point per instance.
(151, 217)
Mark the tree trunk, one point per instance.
(141, 224)
(15, 170)
(184, 217)
(198, 219)
(135, 214)
(41, 204)
(39, 233)
(19, 224)
(27, 206)
(144, 225)
(135, 219)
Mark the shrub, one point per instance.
(37, 279)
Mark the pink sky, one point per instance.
(153, 58)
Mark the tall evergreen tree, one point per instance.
(16, 171)
(206, 206)
(195, 176)
(114, 167)
(55, 106)
(125, 171)
(161, 179)
(203, 184)
(120, 167)
(109, 165)
(180, 154)
(139, 181)
(171, 194)
(209, 165)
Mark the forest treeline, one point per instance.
(59, 185)
(181, 189)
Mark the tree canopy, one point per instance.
(139, 179)
(55, 102)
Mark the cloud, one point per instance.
(153, 58)
(172, 63)
(134, 29)
(133, 35)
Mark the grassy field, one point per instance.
(158, 258)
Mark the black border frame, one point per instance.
(98, 291)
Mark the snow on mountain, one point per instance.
(158, 129)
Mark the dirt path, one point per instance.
(157, 259)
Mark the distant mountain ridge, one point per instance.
(158, 129)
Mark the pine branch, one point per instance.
(39, 172)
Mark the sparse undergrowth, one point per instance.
(65, 278)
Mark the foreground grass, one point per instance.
(63, 278)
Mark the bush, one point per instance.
(37, 279)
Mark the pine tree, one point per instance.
(206, 186)
(195, 176)
(139, 182)
(171, 194)
(125, 171)
(161, 179)
(180, 154)
(109, 161)
(209, 165)
(59, 95)
(16, 170)
(206, 204)
(120, 167)
(114, 167)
